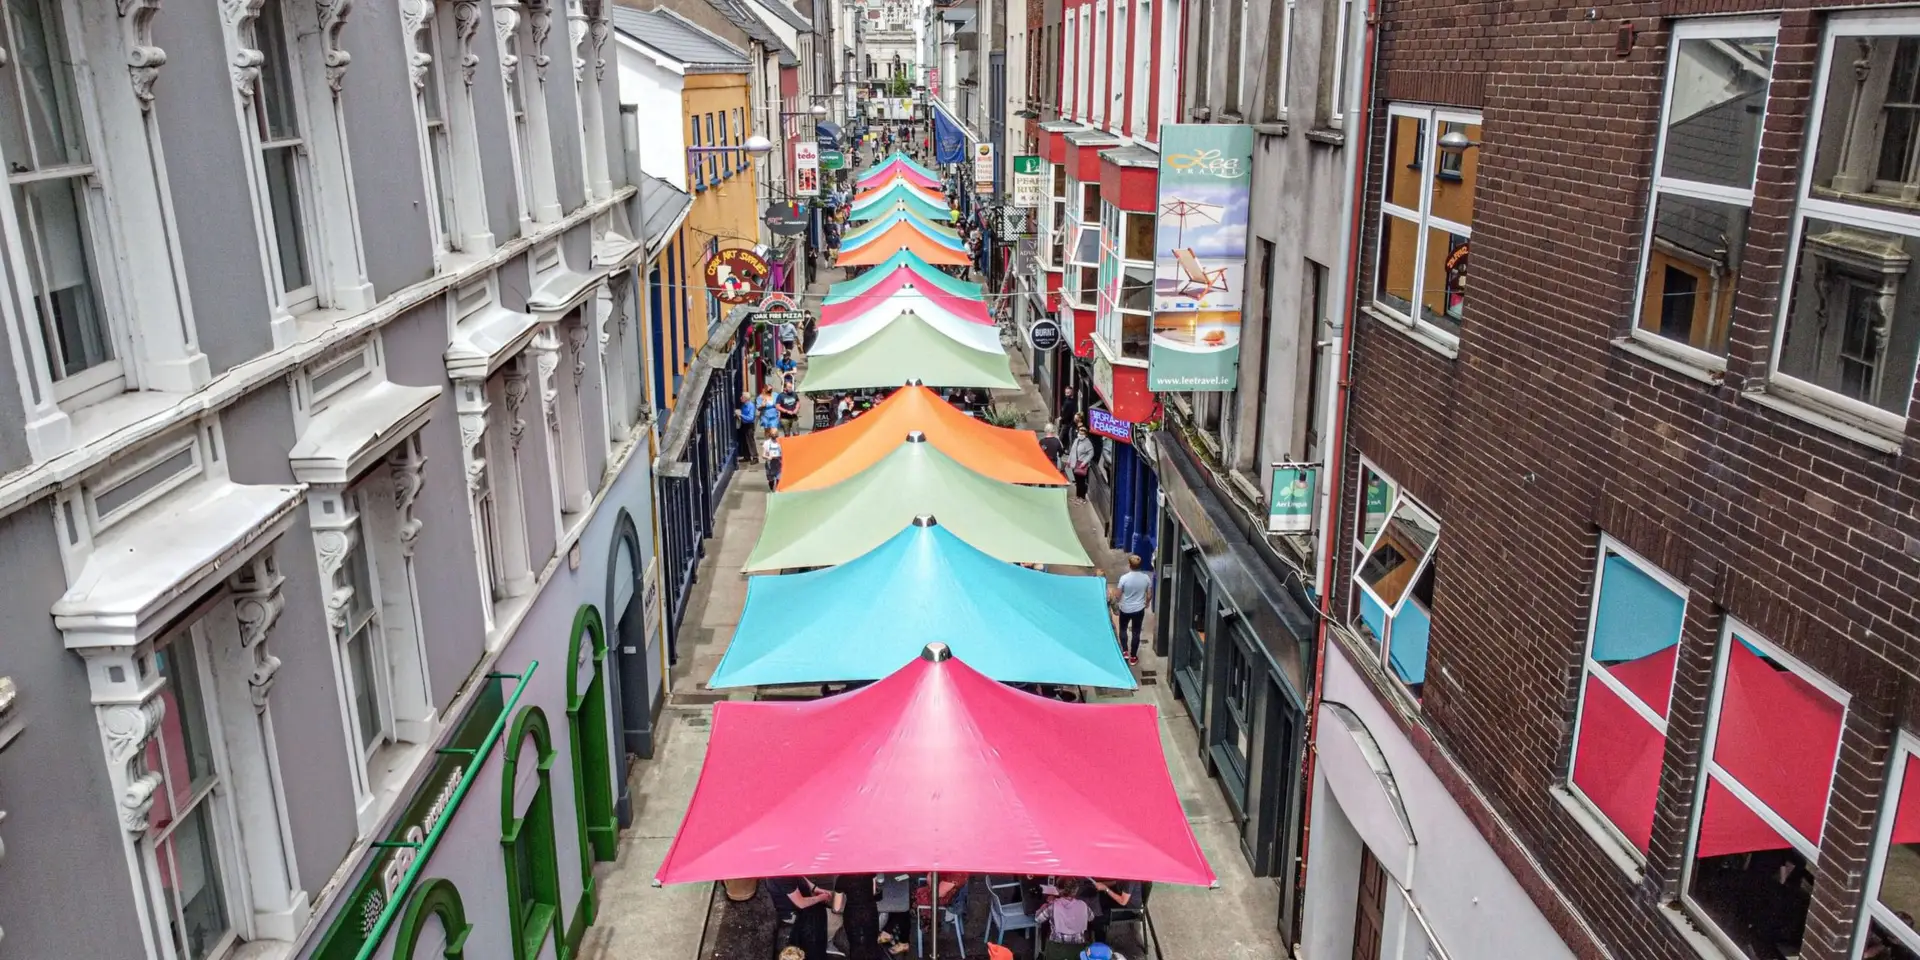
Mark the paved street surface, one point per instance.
(638, 921)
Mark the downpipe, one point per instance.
(1333, 471)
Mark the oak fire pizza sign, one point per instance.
(780, 308)
(736, 275)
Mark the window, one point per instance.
(1114, 110)
(1125, 316)
(740, 137)
(516, 79)
(1082, 281)
(524, 70)
(1426, 220)
(713, 159)
(189, 837)
(1053, 253)
(1097, 103)
(1339, 47)
(1083, 71)
(1773, 736)
(1279, 58)
(1395, 574)
(363, 649)
(439, 144)
(699, 160)
(724, 161)
(1142, 68)
(50, 168)
(1236, 55)
(283, 158)
(1893, 879)
(1620, 730)
(1167, 99)
(1697, 228)
(1851, 328)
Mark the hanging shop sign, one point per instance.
(983, 168)
(1290, 499)
(736, 275)
(1044, 335)
(785, 219)
(806, 169)
(1029, 184)
(1107, 425)
(832, 160)
(1200, 256)
(780, 308)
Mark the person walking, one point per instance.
(743, 421)
(1069, 407)
(1050, 445)
(1080, 463)
(788, 403)
(770, 452)
(1130, 597)
(768, 410)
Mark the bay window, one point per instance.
(1395, 574)
(1850, 331)
(1620, 729)
(1054, 226)
(1772, 739)
(1125, 316)
(1426, 220)
(1703, 185)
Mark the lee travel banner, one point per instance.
(1200, 256)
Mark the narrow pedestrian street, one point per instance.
(639, 921)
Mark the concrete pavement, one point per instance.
(638, 921)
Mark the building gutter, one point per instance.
(1359, 130)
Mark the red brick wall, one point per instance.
(1543, 433)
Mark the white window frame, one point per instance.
(1384, 646)
(1701, 29)
(1276, 88)
(1167, 97)
(1424, 222)
(1097, 104)
(524, 69)
(1886, 423)
(1110, 318)
(1905, 747)
(1077, 295)
(1053, 218)
(1589, 667)
(437, 150)
(1338, 49)
(1083, 70)
(1732, 631)
(1139, 109)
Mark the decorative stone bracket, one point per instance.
(415, 16)
(257, 604)
(144, 57)
(333, 18)
(406, 463)
(243, 46)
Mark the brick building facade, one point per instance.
(1630, 529)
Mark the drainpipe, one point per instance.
(1333, 473)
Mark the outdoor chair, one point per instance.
(1199, 280)
(954, 913)
(1008, 912)
(1134, 913)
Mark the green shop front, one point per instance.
(492, 854)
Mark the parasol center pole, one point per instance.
(933, 894)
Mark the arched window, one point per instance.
(435, 921)
(526, 834)
(587, 734)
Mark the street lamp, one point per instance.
(1456, 141)
(818, 111)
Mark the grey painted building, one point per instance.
(319, 494)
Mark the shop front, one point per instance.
(1239, 645)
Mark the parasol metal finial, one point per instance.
(936, 652)
(916, 436)
(925, 520)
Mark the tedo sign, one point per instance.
(1044, 335)
(779, 308)
(736, 275)
(1107, 425)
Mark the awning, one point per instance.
(909, 201)
(897, 238)
(842, 337)
(820, 528)
(936, 767)
(899, 158)
(826, 457)
(863, 619)
(878, 233)
(939, 229)
(828, 133)
(905, 296)
(906, 350)
(897, 170)
(847, 290)
(890, 187)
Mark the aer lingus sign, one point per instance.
(1200, 256)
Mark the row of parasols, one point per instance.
(920, 530)
(904, 318)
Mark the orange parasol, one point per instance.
(901, 236)
(815, 460)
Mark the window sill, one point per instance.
(1332, 138)
(1623, 856)
(1271, 128)
(1825, 421)
(388, 772)
(1702, 943)
(1418, 334)
(1669, 361)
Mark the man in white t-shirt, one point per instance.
(1130, 598)
(770, 454)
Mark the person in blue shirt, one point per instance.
(785, 363)
(769, 410)
(743, 421)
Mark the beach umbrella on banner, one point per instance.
(1183, 212)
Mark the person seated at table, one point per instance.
(798, 898)
(1112, 895)
(860, 918)
(1067, 918)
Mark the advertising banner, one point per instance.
(1200, 256)
(806, 169)
(983, 168)
(1029, 184)
(1290, 500)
